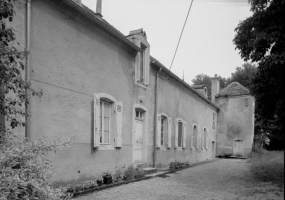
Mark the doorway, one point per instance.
(238, 148)
(138, 136)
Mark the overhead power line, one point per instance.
(181, 34)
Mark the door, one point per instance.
(213, 149)
(238, 149)
(138, 141)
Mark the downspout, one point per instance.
(27, 69)
(155, 115)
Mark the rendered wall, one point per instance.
(176, 101)
(71, 59)
(235, 121)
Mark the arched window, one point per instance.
(107, 121)
(195, 136)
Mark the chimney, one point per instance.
(99, 8)
(215, 89)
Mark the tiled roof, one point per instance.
(233, 89)
(198, 86)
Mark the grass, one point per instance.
(268, 166)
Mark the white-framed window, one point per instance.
(138, 37)
(180, 133)
(195, 136)
(107, 121)
(139, 115)
(214, 121)
(163, 131)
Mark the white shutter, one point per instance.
(96, 120)
(119, 120)
(146, 65)
(184, 134)
(169, 133)
(158, 134)
(191, 142)
(202, 142)
(176, 134)
(207, 142)
(137, 64)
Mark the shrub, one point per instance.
(130, 173)
(268, 166)
(25, 171)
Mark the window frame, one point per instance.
(102, 121)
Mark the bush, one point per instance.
(25, 171)
(129, 173)
(268, 165)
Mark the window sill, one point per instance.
(106, 147)
(163, 148)
(179, 148)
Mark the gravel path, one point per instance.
(225, 179)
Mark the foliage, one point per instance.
(107, 173)
(119, 170)
(268, 166)
(203, 79)
(261, 38)
(13, 88)
(244, 75)
(25, 171)
(82, 186)
(139, 173)
(129, 173)
(178, 165)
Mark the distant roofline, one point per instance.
(159, 64)
(84, 10)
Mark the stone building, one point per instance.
(120, 104)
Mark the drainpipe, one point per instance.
(155, 115)
(27, 69)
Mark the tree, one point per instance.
(203, 79)
(261, 38)
(244, 75)
(25, 171)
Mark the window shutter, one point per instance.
(158, 134)
(184, 134)
(119, 120)
(176, 134)
(169, 133)
(191, 142)
(137, 64)
(96, 120)
(146, 65)
(202, 142)
(207, 142)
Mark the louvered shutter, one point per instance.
(119, 122)
(158, 134)
(146, 65)
(169, 133)
(184, 135)
(176, 134)
(96, 120)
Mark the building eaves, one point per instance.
(158, 64)
(84, 10)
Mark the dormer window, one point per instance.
(138, 37)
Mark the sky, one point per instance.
(206, 45)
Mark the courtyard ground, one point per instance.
(224, 179)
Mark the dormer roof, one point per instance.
(233, 89)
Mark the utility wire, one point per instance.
(181, 34)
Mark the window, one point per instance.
(180, 134)
(195, 135)
(205, 138)
(142, 64)
(107, 121)
(214, 121)
(139, 115)
(163, 131)
(105, 110)
(180, 126)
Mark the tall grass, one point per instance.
(268, 165)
